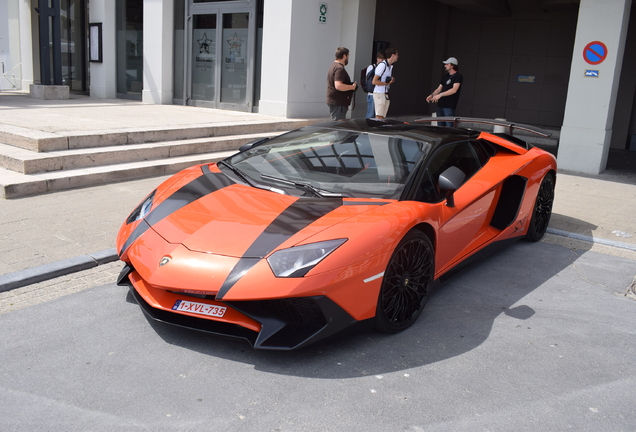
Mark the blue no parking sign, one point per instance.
(595, 52)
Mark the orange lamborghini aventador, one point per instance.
(297, 237)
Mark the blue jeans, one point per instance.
(445, 112)
(370, 106)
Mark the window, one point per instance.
(354, 164)
(468, 156)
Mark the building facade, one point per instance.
(563, 64)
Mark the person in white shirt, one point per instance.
(370, 105)
(382, 79)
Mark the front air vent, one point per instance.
(303, 310)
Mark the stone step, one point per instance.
(41, 141)
(30, 162)
(16, 185)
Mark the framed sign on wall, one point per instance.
(95, 42)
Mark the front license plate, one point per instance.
(199, 308)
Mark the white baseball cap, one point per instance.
(451, 60)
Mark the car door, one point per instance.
(464, 226)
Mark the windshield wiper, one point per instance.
(320, 193)
(248, 180)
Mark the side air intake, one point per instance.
(509, 202)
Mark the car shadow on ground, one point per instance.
(570, 224)
(458, 318)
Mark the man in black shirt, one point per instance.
(446, 95)
(339, 86)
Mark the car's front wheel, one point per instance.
(406, 283)
(542, 209)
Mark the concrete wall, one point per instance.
(277, 28)
(412, 28)
(357, 29)
(103, 81)
(29, 44)
(294, 69)
(492, 53)
(5, 43)
(158, 51)
(311, 52)
(624, 126)
(299, 50)
(497, 54)
(10, 53)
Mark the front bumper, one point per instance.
(285, 324)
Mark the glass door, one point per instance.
(203, 60)
(73, 33)
(235, 51)
(220, 71)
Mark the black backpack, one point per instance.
(366, 79)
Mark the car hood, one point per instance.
(241, 221)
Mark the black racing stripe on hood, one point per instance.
(199, 187)
(293, 219)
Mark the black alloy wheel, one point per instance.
(542, 209)
(406, 283)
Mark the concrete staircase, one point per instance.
(35, 162)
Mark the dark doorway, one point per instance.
(73, 17)
(63, 44)
(130, 38)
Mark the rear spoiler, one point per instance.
(510, 126)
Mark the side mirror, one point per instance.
(254, 143)
(450, 180)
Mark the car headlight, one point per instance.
(142, 209)
(298, 260)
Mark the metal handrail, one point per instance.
(511, 126)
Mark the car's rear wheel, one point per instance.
(406, 283)
(542, 209)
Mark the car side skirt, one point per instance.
(485, 252)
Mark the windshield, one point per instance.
(324, 162)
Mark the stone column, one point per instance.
(157, 51)
(299, 45)
(277, 53)
(26, 43)
(103, 83)
(589, 112)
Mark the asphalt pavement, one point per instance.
(538, 337)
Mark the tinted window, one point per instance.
(354, 164)
(469, 157)
(484, 150)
